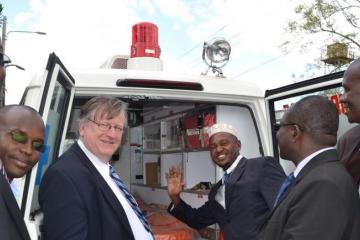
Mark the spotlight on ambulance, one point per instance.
(216, 55)
(145, 50)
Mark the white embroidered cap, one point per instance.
(221, 127)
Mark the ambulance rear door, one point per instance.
(51, 93)
(280, 99)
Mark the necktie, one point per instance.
(226, 178)
(129, 198)
(284, 187)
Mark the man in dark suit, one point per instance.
(20, 145)
(80, 194)
(349, 143)
(240, 201)
(319, 200)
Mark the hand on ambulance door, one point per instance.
(175, 184)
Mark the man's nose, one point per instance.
(113, 132)
(26, 148)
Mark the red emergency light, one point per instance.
(145, 40)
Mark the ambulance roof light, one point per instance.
(145, 40)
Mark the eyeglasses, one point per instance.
(277, 126)
(21, 137)
(4, 59)
(106, 126)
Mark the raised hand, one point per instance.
(175, 184)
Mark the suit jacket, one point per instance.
(249, 197)
(322, 204)
(348, 149)
(12, 225)
(78, 203)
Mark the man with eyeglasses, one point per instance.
(81, 195)
(21, 143)
(318, 200)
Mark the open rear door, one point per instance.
(279, 99)
(52, 94)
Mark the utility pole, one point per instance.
(3, 40)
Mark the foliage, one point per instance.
(337, 18)
(320, 23)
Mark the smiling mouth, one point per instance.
(221, 157)
(22, 163)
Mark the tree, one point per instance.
(335, 20)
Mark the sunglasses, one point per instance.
(21, 137)
(4, 59)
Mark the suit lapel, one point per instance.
(104, 188)
(326, 156)
(234, 177)
(12, 207)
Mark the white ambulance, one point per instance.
(167, 121)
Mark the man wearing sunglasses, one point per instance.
(319, 199)
(21, 142)
(80, 194)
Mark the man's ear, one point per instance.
(296, 132)
(81, 129)
(239, 142)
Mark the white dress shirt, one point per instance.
(220, 195)
(137, 227)
(306, 160)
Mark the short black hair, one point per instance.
(318, 116)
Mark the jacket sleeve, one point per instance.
(195, 218)
(63, 208)
(272, 176)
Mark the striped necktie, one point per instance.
(284, 187)
(130, 199)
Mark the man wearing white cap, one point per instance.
(241, 200)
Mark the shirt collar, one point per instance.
(101, 166)
(306, 160)
(234, 164)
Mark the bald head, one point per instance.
(8, 111)
(351, 96)
(318, 117)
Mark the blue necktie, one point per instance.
(284, 187)
(226, 178)
(130, 199)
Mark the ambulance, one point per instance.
(167, 120)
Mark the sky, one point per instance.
(85, 33)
